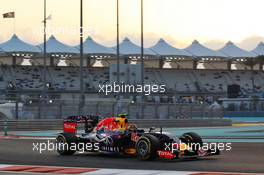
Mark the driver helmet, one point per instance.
(122, 122)
(122, 115)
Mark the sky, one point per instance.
(212, 22)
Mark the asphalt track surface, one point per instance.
(244, 157)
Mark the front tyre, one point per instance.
(64, 142)
(146, 147)
(192, 139)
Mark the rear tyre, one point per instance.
(146, 147)
(192, 139)
(64, 142)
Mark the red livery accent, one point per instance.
(134, 137)
(107, 124)
(166, 155)
(70, 127)
(112, 124)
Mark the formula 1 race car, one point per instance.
(116, 135)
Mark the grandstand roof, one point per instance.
(129, 48)
(16, 45)
(56, 47)
(198, 50)
(92, 47)
(231, 50)
(165, 49)
(259, 50)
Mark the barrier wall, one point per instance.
(35, 125)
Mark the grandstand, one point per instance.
(192, 81)
(195, 69)
(194, 78)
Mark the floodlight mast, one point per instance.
(45, 50)
(142, 43)
(142, 57)
(82, 97)
(118, 105)
(117, 42)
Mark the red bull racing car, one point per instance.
(116, 135)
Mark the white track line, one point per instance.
(136, 172)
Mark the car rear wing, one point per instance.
(70, 123)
